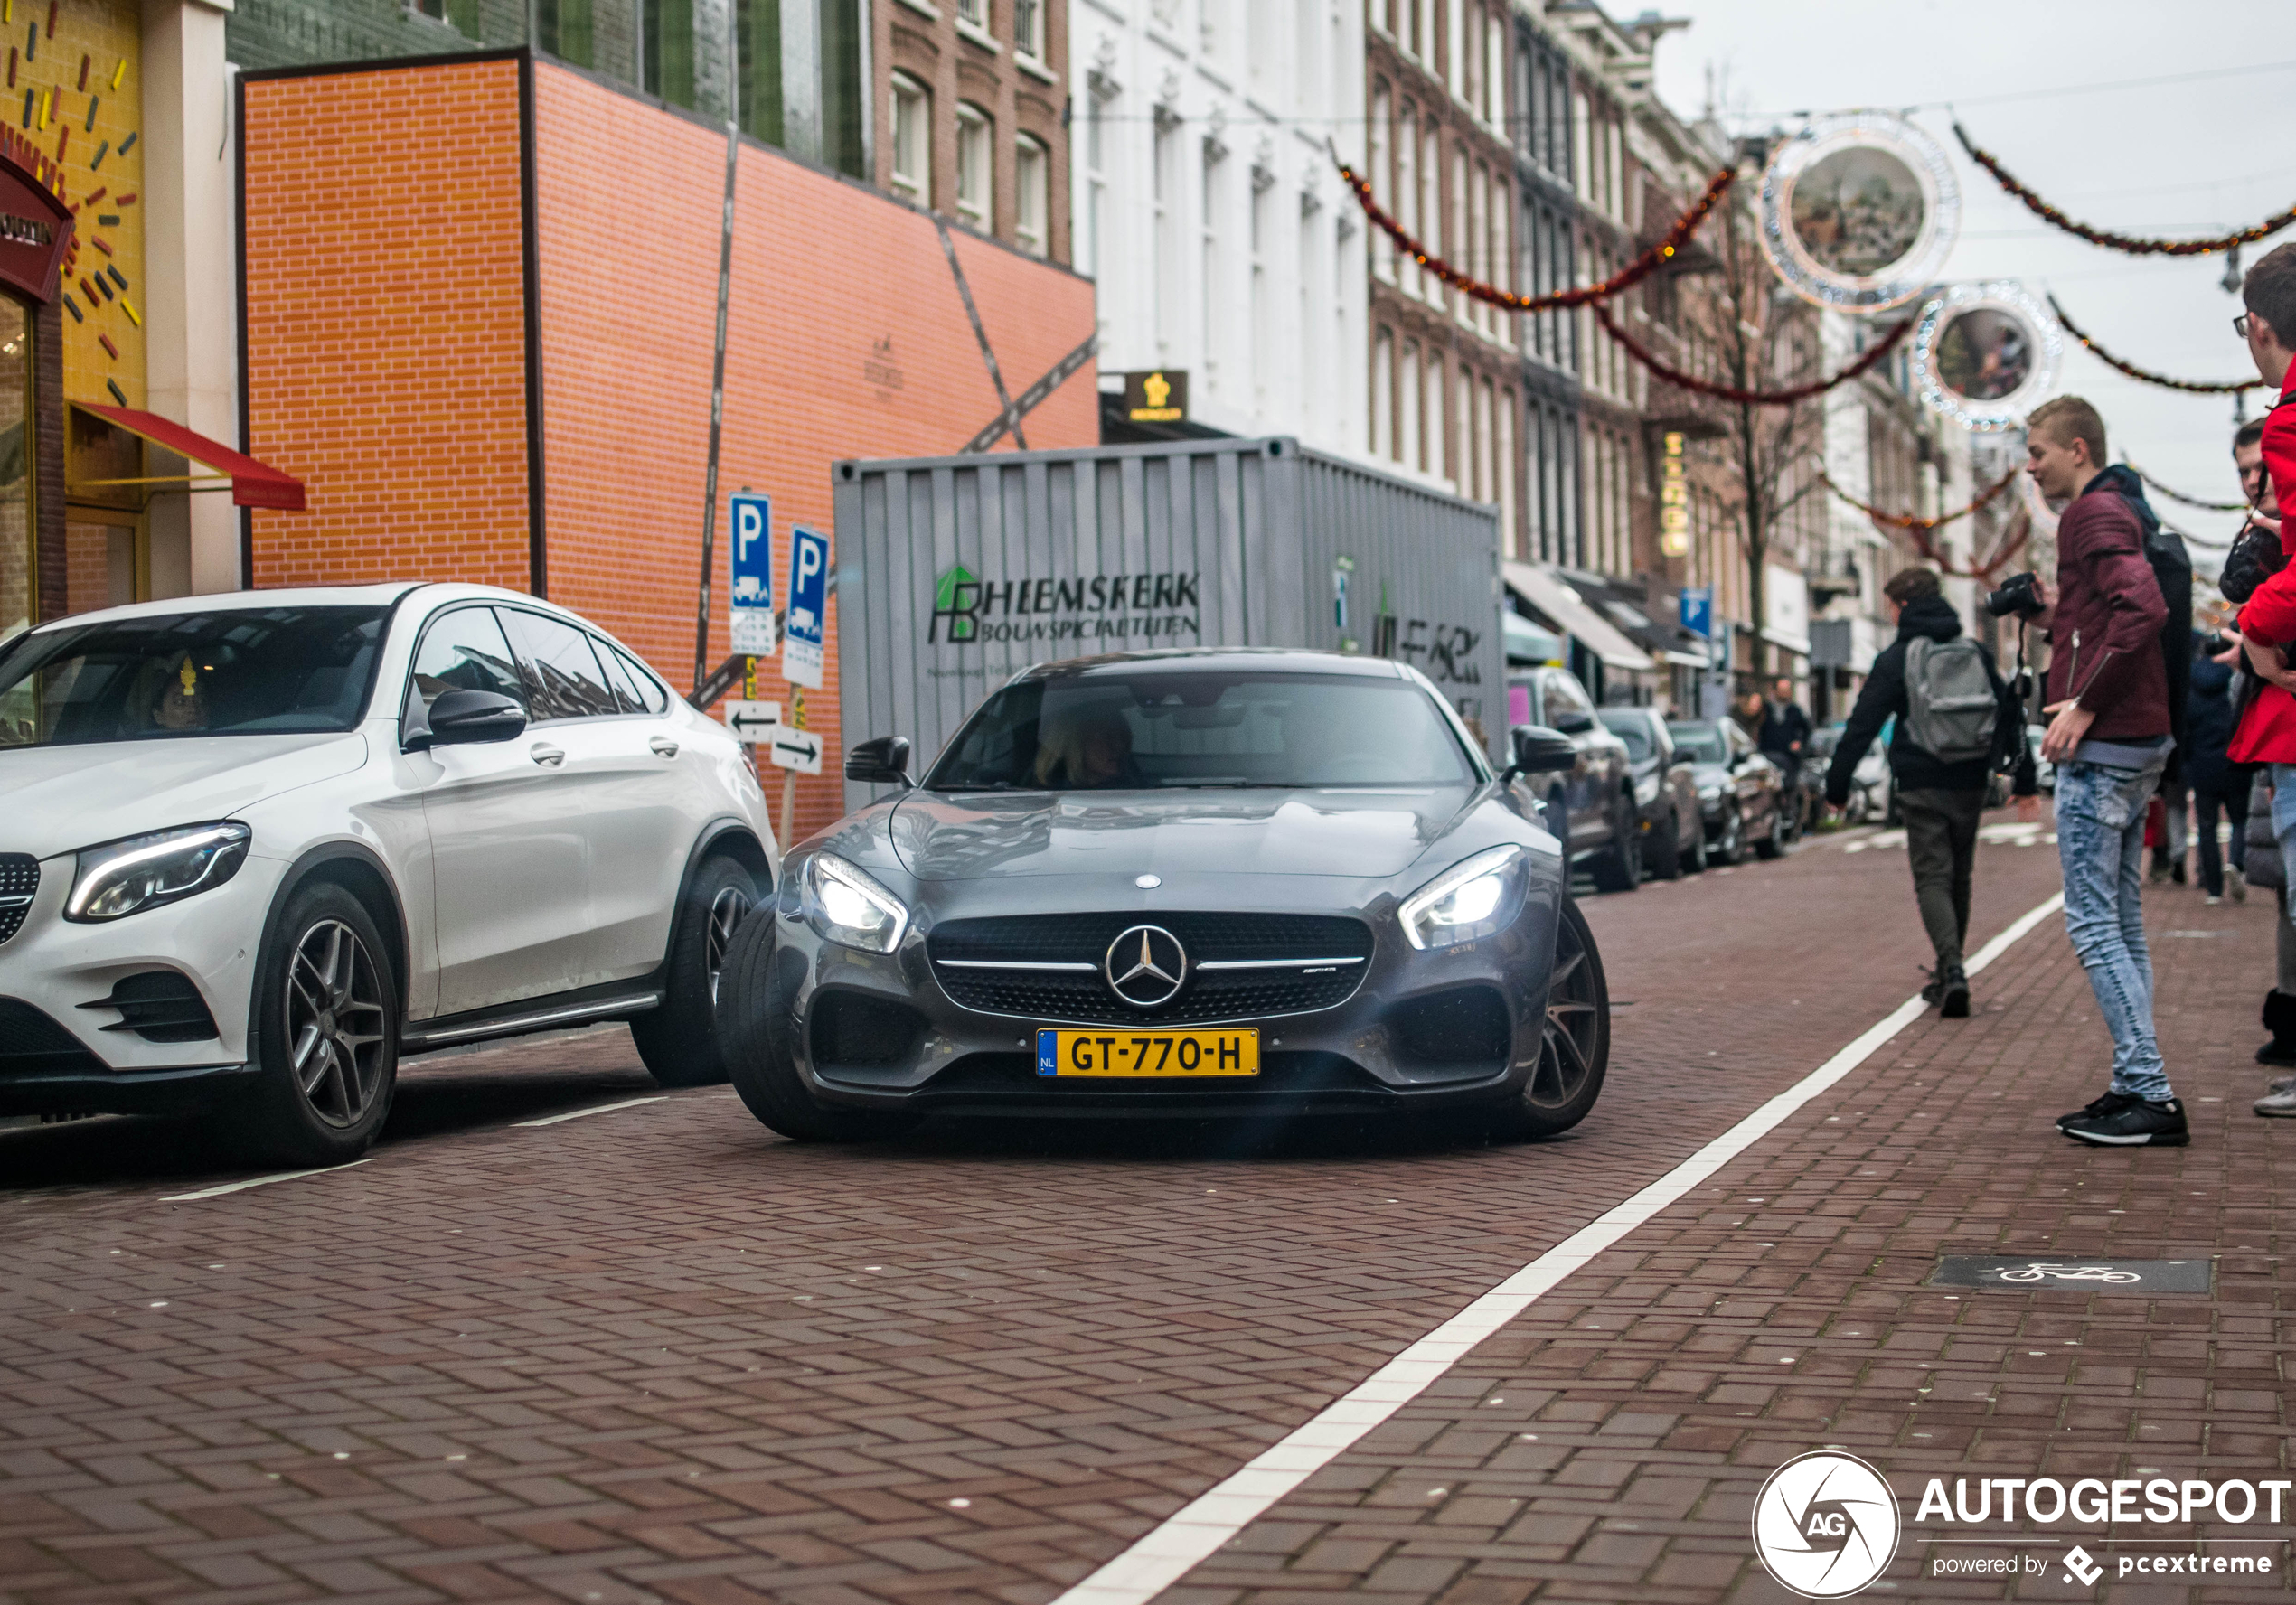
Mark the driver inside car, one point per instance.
(1089, 746)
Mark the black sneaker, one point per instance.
(1953, 994)
(2137, 1123)
(2098, 1108)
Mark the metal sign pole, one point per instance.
(718, 371)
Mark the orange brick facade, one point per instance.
(846, 339)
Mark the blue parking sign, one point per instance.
(801, 643)
(1698, 609)
(749, 556)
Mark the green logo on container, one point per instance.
(956, 597)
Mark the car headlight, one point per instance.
(851, 908)
(123, 878)
(1467, 902)
(1709, 793)
(1646, 790)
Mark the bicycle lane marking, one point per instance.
(1196, 1532)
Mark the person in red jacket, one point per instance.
(2267, 732)
(2109, 737)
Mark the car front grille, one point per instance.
(19, 884)
(1273, 941)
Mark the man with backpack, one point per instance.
(1957, 722)
(2109, 737)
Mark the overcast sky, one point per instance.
(2167, 159)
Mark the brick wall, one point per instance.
(386, 323)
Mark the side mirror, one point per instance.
(1540, 751)
(461, 717)
(1570, 721)
(882, 762)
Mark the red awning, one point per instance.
(253, 484)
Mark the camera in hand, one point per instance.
(2018, 594)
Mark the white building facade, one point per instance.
(1205, 205)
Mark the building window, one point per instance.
(974, 13)
(1431, 204)
(976, 162)
(1457, 64)
(1167, 242)
(1437, 463)
(1383, 441)
(1406, 187)
(1209, 298)
(912, 140)
(1382, 181)
(1509, 538)
(1031, 193)
(1495, 71)
(1095, 180)
(1406, 391)
(1028, 29)
(1486, 461)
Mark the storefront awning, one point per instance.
(1568, 613)
(253, 484)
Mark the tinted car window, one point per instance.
(1203, 727)
(1563, 695)
(237, 671)
(1701, 744)
(561, 671)
(617, 678)
(651, 695)
(465, 651)
(1631, 729)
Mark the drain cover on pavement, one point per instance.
(2077, 1275)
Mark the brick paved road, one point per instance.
(658, 1353)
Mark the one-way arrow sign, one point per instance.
(753, 721)
(795, 749)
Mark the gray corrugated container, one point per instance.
(954, 573)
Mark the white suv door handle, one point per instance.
(547, 755)
(663, 747)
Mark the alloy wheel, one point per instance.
(336, 1023)
(1566, 1055)
(726, 912)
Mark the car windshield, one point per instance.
(1634, 732)
(1701, 744)
(1161, 728)
(237, 671)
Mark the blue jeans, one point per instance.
(2100, 841)
(2284, 822)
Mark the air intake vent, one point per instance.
(159, 1006)
(19, 884)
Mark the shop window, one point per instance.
(1028, 29)
(975, 157)
(912, 140)
(1031, 194)
(19, 589)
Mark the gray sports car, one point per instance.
(1190, 883)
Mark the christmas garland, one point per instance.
(2197, 387)
(1627, 278)
(2124, 243)
(2187, 500)
(1787, 398)
(1920, 529)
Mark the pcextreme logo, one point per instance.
(1825, 1525)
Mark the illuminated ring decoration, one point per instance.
(2011, 329)
(2036, 506)
(1871, 250)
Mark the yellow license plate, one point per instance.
(1148, 1054)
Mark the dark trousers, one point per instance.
(2234, 802)
(1941, 840)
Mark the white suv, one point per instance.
(254, 847)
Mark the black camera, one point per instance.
(2020, 593)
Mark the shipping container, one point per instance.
(954, 573)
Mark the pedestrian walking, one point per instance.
(1784, 738)
(2218, 784)
(1957, 722)
(2109, 736)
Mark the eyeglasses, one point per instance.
(2240, 326)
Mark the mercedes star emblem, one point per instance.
(1145, 966)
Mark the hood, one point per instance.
(1932, 616)
(59, 799)
(1370, 833)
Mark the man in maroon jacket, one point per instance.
(2108, 735)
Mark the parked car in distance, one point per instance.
(1591, 808)
(1670, 824)
(1872, 795)
(1229, 883)
(1739, 790)
(261, 845)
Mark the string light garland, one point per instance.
(2180, 496)
(1922, 530)
(2195, 386)
(1625, 279)
(2129, 245)
(1786, 398)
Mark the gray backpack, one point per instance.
(1951, 710)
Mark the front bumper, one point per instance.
(65, 1045)
(1422, 1031)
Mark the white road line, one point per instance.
(575, 1114)
(257, 1181)
(1193, 1534)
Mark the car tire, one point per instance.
(1773, 843)
(1665, 859)
(1729, 845)
(678, 1038)
(1618, 868)
(756, 1039)
(1574, 1046)
(325, 1028)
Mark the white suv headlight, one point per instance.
(1468, 901)
(123, 878)
(849, 907)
